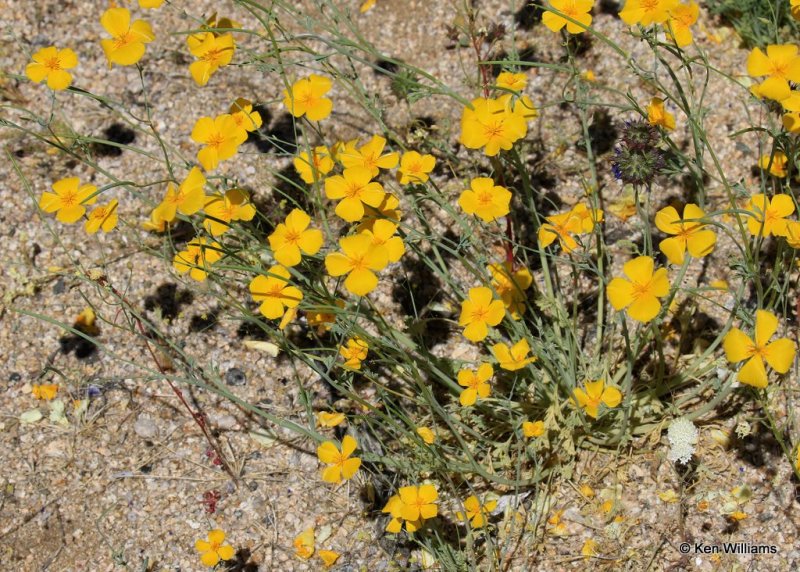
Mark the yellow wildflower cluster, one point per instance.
(676, 17)
(580, 219)
(411, 505)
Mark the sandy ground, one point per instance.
(127, 484)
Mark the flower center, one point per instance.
(641, 289)
(215, 140)
(687, 231)
(593, 401)
(123, 40)
(353, 191)
(479, 314)
(779, 69)
(649, 5)
(358, 262)
(307, 99)
(292, 236)
(771, 216)
(756, 350)
(69, 199)
(485, 198)
(494, 130)
(212, 56)
(53, 64)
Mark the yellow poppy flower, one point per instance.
(44, 391)
(221, 210)
(578, 10)
(561, 226)
(476, 384)
(595, 393)
(383, 236)
(354, 353)
(359, 259)
(419, 503)
(428, 436)
(330, 418)
(681, 19)
(329, 557)
(511, 286)
(485, 199)
(688, 233)
(307, 97)
(657, 115)
(69, 199)
(212, 52)
(197, 258)
(533, 428)
(342, 466)
(214, 549)
(311, 168)
(490, 124)
(775, 163)
(646, 12)
(304, 544)
(511, 81)
(588, 217)
(778, 354)
(476, 513)
(221, 137)
(769, 215)
(479, 311)
(640, 293)
(292, 238)
(187, 199)
(102, 217)
(369, 156)
(274, 292)
(415, 168)
(354, 187)
(126, 46)
(50, 64)
(513, 358)
(780, 64)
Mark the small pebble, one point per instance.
(235, 376)
(224, 421)
(145, 427)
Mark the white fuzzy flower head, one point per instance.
(682, 435)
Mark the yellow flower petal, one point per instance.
(780, 354)
(753, 373)
(766, 326)
(737, 345)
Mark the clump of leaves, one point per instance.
(758, 23)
